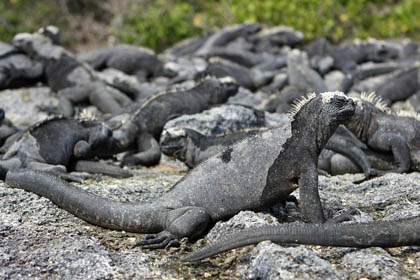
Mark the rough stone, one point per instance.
(21, 105)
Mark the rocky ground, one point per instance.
(39, 240)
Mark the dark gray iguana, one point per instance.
(56, 145)
(404, 232)
(140, 129)
(385, 131)
(131, 60)
(254, 174)
(17, 69)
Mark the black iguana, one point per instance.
(56, 144)
(374, 124)
(251, 175)
(17, 69)
(131, 60)
(140, 129)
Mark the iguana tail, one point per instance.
(141, 218)
(101, 168)
(383, 234)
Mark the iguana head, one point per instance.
(319, 115)
(176, 142)
(219, 88)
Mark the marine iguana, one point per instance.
(221, 186)
(224, 36)
(56, 144)
(17, 69)
(63, 71)
(191, 147)
(142, 127)
(250, 79)
(402, 84)
(374, 124)
(131, 60)
(404, 232)
(302, 79)
(346, 57)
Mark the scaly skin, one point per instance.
(386, 132)
(56, 144)
(382, 234)
(130, 59)
(221, 186)
(143, 126)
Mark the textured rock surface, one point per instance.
(21, 105)
(39, 240)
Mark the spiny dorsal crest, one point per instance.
(408, 114)
(299, 102)
(377, 101)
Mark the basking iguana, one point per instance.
(140, 129)
(384, 131)
(55, 145)
(254, 174)
(404, 232)
(131, 60)
(63, 72)
(17, 69)
(191, 147)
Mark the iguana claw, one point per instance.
(161, 240)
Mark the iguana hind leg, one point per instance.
(182, 222)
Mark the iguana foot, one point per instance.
(161, 240)
(344, 217)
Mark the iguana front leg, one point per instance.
(397, 145)
(149, 151)
(310, 202)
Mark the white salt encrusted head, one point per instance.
(326, 96)
(301, 101)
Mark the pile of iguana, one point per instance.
(141, 62)
(232, 179)
(73, 80)
(139, 129)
